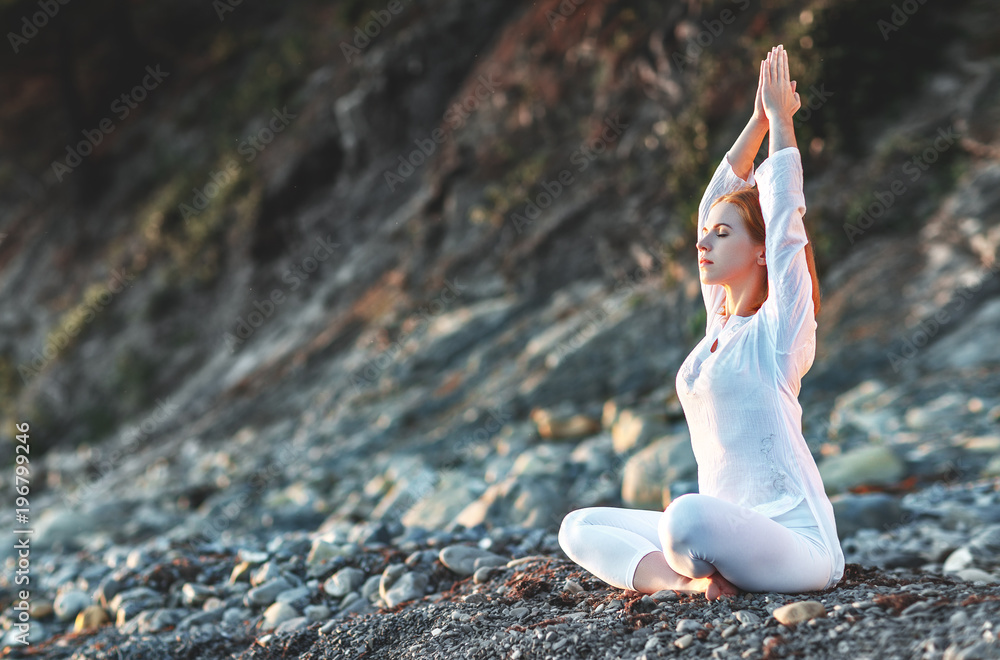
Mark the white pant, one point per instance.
(699, 534)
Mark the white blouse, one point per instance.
(741, 401)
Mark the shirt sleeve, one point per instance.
(788, 309)
(723, 181)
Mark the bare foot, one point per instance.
(719, 586)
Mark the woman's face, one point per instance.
(726, 243)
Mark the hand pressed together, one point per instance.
(776, 95)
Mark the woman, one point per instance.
(761, 520)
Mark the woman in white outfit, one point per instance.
(761, 520)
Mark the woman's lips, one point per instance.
(703, 262)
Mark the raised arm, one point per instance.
(788, 310)
(748, 143)
(789, 306)
(733, 173)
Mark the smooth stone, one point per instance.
(293, 595)
(794, 613)
(265, 573)
(684, 642)
(253, 557)
(864, 466)
(316, 613)
(344, 582)
(958, 619)
(409, 586)
(195, 595)
(157, 620)
(635, 430)
(389, 577)
(461, 559)
(265, 594)
(137, 597)
(289, 625)
(69, 603)
(483, 574)
(277, 613)
(960, 559)
(648, 474)
(689, 625)
(747, 618)
(370, 589)
(92, 616)
(41, 609)
(320, 552)
(490, 562)
(975, 575)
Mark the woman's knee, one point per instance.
(683, 520)
(570, 523)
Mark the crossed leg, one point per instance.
(704, 545)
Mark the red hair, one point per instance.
(747, 203)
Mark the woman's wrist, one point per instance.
(781, 135)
